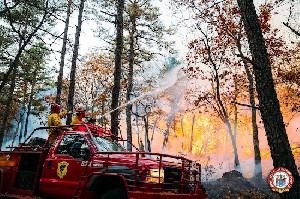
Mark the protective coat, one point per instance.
(55, 120)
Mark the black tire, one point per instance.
(115, 194)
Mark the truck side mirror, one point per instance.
(86, 153)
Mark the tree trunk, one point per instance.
(17, 129)
(235, 119)
(8, 105)
(174, 124)
(233, 141)
(22, 123)
(223, 113)
(129, 127)
(268, 102)
(93, 98)
(28, 109)
(137, 126)
(103, 120)
(130, 84)
(192, 136)
(73, 67)
(226, 118)
(232, 136)
(166, 138)
(141, 146)
(30, 101)
(236, 157)
(117, 72)
(23, 111)
(153, 130)
(182, 127)
(11, 68)
(62, 55)
(257, 158)
(147, 141)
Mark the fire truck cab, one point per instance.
(85, 164)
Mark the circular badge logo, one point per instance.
(280, 179)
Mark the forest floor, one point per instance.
(233, 185)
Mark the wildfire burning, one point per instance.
(207, 141)
(199, 134)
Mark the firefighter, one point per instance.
(80, 113)
(54, 119)
(77, 119)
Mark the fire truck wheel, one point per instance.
(115, 194)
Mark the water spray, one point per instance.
(169, 80)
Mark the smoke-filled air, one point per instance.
(190, 99)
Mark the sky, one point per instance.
(90, 42)
(182, 21)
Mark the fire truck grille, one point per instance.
(172, 177)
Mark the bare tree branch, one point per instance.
(247, 59)
(256, 107)
(292, 29)
(12, 65)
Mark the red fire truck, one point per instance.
(89, 164)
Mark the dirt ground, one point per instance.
(233, 185)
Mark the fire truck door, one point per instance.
(62, 169)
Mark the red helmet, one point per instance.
(80, 109)
(55, 108)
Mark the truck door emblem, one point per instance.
(62, 169)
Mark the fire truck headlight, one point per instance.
(155, 176)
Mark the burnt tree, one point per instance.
(118, 65)
(73, 67)
(268, 102)
(130, 82)
(62, 54)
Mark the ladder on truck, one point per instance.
(82, 181)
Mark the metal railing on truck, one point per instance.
(152, 172)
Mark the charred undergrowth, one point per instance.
(233, 185)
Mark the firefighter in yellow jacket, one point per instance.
(77, 119)
(54, 119)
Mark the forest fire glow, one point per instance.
(206, 140)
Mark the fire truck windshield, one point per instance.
(105, 144)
